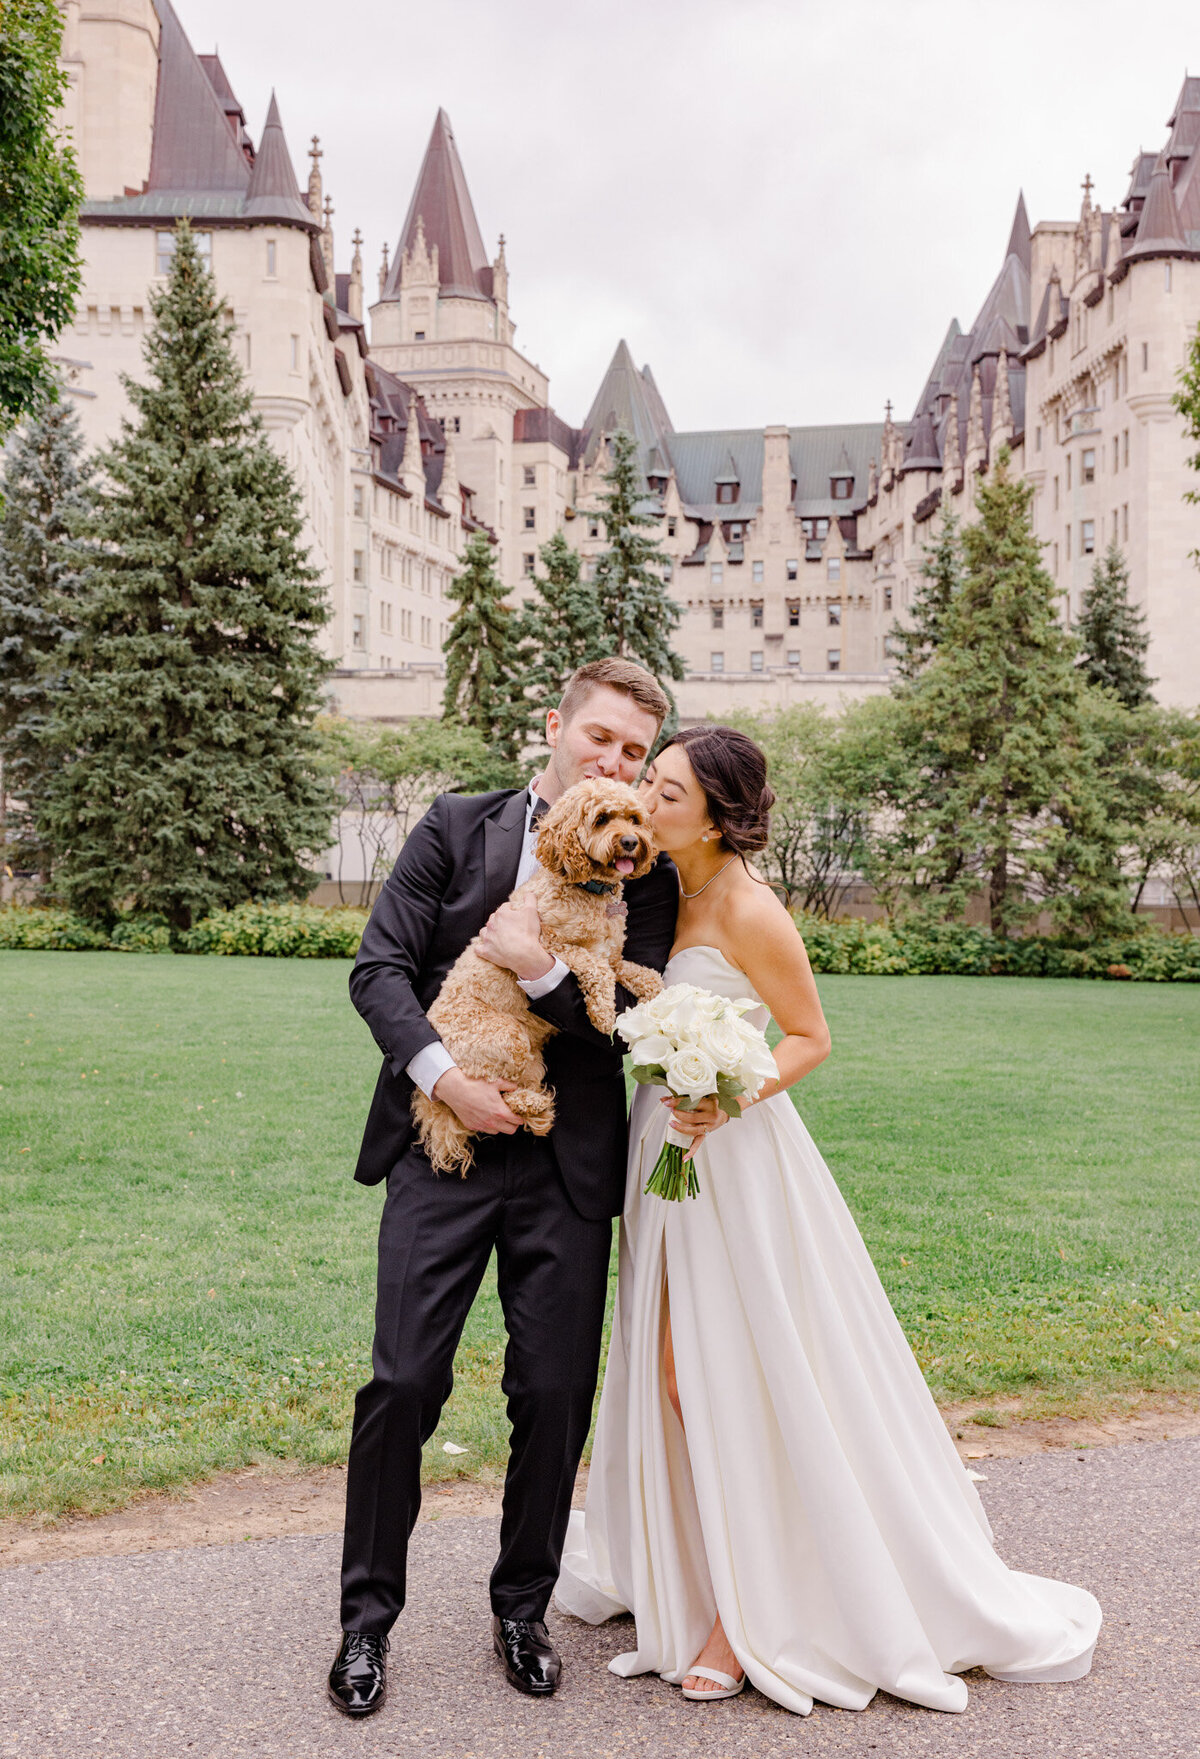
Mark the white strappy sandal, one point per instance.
(729, 1686)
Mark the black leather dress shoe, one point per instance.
(531, 1662)
(358, 1677)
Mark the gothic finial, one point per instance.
(314, 179)
(411, 464)
(383, 272)
(1087, 187)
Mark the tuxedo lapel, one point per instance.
(503, 837)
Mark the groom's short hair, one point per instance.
(626, 676)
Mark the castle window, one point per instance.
(756, 614)
(165, 249)
(833, 568)
(358, 500)
(1125, 521)
(295, 353)
(716, 571)
(1145, 356)
(1056, 494)
(452, 424)
(1125, 448)
(735, 534)
(718, 616)
(793, 658)
(359, 631)
(418, 335)
(1116, 453)
(833, 659)
(840, 487)
(793, 568)
(1068, 473)
(1087, 470)
(528, 562)
(1087, 534)
(822, 529)
(593, 528)
(530, 476)
(756, 660)
(270, 256)
(727, 493)
(360, 568)
(530, 517)
(716, 662)
(1037, 439)
(670, 528)
(757, 569)
(793, 613)
(887, 598)
(385, 617)
(834, 615)
(1068, 535)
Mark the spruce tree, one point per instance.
(45, 492)
(562, 624)
(915, 643)
(1112, 633)
(485, 655)
(186, 776)
(638, 613)
(1016, 804)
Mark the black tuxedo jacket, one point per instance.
(457, 866)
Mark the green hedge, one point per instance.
(279, 931)
(1148, 955)
(300, 931)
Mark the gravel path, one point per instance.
(221, 1651)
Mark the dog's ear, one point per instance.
(558, 846)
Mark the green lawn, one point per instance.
(187, 1266)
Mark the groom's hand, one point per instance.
(478, 1105)
(512, 938)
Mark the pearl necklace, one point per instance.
(708, 882)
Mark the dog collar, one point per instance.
(596, 887)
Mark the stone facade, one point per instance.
(792, 550)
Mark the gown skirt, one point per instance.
(816, 1500)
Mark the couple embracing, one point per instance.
(773, 1494)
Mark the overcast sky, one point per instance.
(779, 206)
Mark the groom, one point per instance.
(544, 1203)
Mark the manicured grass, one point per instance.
(187, 1268)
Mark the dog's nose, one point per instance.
(629, 844)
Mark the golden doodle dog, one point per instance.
(596, 836)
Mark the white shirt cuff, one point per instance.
(428, 1067)
(535, 987)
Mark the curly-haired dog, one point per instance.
(591, 840)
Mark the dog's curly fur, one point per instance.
(482, 1013)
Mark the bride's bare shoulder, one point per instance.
(755, 910)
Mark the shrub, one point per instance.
(140, 934)
(47, 931)
(278, 931)
(1147, 954)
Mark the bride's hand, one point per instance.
(698, 1123)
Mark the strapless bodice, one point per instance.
(709, 969)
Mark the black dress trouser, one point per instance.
(435, 1238)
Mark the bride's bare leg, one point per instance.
(716, 1652)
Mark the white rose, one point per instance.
(661, 1008)
(655, 1048)
(721, 1040)
(757, 1065)
(690, 1073)
(634, 1023)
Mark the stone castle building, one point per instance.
(417, 419)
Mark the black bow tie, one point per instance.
(540, 807)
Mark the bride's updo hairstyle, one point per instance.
(732, 771)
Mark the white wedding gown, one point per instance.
(817, 1502)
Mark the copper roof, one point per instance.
(442, 202)
(628, 399)
(274, 193)
(193, 145)
(1160, 230)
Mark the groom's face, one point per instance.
(608, 735)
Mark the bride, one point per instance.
(773, 1494)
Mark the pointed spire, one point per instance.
(193, 146)
(315, 190)
(274, 193)
(976, 443)
(383, 270)
(442, 201)
(412, 465)
(327, 238)
(1002, 417)
(1160, 233)
(1020, 239)
(626, 399)
(448, 492)
(354, 288)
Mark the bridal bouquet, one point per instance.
(694, 1044)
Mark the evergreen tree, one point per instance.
(638, 613)
(562, 624)
(915, 644)
(1112, 632)
(186, 758)
(486, 658)
(1016, 802)
(40, 192)
(44, 490)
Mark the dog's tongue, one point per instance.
(624, 865)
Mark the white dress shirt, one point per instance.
(431, 1063)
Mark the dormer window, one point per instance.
(841, 487)
(727, 494)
